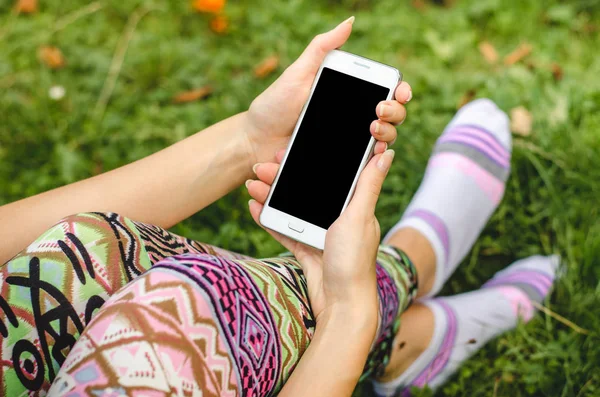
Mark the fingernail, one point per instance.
(251, 201)
(248, 182)
(409, 97)
(403, 120)
(255, 167)
(376, 127)
(386, 146)
(349, 20)
(385, 161)
(382, 110)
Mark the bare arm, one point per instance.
(336, 356)
(163, 188)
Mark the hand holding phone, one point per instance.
(342, 278)
(330, 146)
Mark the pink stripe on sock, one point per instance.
(477, 144)
(519, 301)
(482, 134)
(490, 185)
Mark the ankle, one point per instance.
(414, 337)
(418, 248)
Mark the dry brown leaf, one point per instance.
(52, 57)
(219, 24)
(557, 71)
(193, 95)
(26, 6)
(419, 4)
(521, 121)
(466, 98)
(488, 51)
(213, 6)
(266, 67)
(519, 53)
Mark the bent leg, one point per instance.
(51, 290)
(204, 325)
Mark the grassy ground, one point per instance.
(551, 204)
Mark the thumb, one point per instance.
(369, 184)
(315, 53)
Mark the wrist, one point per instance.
(350, 320)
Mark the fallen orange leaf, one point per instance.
(26, 6)
(267, 66)
(519, 53)
(52, 57)
(213, 6)
(521, 121)
(193, 95)
(219, 24)
(488, 51)
(466, 98)
(557, 71)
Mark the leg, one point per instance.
(203, 325)
(51, 290)
(463, 184)
(460, 325)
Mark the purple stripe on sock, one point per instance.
(440, 361)
(476, 134)
(539, 284)
(438, 226)
(477, 145)
(526, 276)
(485, 131)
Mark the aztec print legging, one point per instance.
(105, 306)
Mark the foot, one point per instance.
(463, 185)
(464, 323)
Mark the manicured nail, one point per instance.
(248, 182)
(382, 110)
(385, 161)
(255, 167)
(409, 97)
(349, 20)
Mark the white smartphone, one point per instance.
(330, 146)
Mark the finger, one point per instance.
(258, 190)
(266, 172)
(391, 111)
(369, 184)
(380, 147)
(403, 92)
(384, 132)
(280, 155)
(315, 53)
(255, 209)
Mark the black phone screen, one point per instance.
(328, 148)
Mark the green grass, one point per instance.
(552, 200)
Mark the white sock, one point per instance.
(466, 322)
(463, 185)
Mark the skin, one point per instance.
(341, 279)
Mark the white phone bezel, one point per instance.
(355, 66)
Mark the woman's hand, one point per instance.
(341, 279)
(274, 113)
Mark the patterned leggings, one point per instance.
(102, 305)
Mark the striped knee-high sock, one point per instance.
(463, 185)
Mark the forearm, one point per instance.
(335, 358)
(161, 189)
